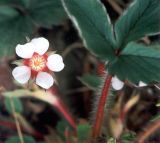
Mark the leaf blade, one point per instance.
(140, 19)
(20, 27)
(137, 63)
(47, 13)
(92, 81)
(93, 24)
(17, 104)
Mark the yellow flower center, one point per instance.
(37, 62)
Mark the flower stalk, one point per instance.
(101, 106)
(63, 110)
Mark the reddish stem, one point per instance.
(64, 111)
(67, 135)
(101, 69)
(101, 105)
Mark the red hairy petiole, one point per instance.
(101, 106)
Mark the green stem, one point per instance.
(101, 105)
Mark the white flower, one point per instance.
(118, 84)
(142, 84)
(37, 64)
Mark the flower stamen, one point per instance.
(37, 62)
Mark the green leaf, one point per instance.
(25, 3)
(156, 117)
(21, 18)
(91, 80)
(128, 137)
(17, 104)
(93, 23)
(83, 131)
(142, 18)
(111, 140)
(14, 31)
(15, 139)
(7, 13)
(61, 127)
(137, 63)
(47, 12)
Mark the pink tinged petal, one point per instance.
(141, 84)
(44, 80)
(117, 84)
(41, 45)
(55, 63)
(21, 74)
(25, 51)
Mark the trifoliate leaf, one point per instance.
(141, 18)
(137, 63)
(93, 23)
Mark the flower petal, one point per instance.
(141, 84)
(41, 45)
(25, 51)
(117, 84)
(44, 80)
(55, 63)
(21, 74)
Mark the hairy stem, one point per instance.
(101, 106)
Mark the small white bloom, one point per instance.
(37, 63)
(142, 84)
(117, 84)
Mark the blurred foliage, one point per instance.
(91, 80)
(15, 139)
(83, 132)
(61, 127)
(18, 107)
(111, 140)
(128, 137)
(22, 18)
